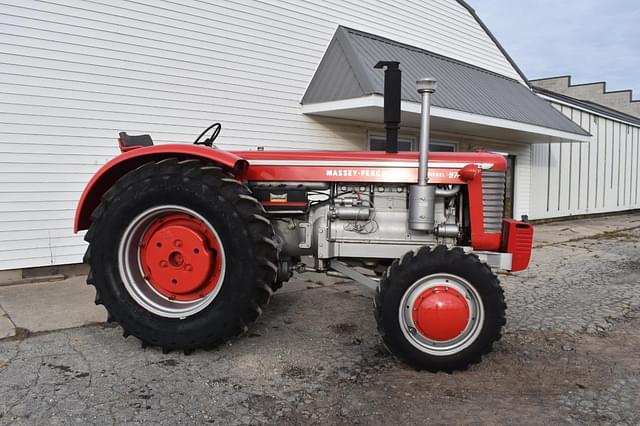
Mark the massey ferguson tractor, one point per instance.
(187, 243)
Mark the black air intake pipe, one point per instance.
(392, 91)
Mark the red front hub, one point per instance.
(181, 257)
(440, 313)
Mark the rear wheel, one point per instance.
(181, 255)
(440, 309)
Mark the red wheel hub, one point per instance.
(440, 313)
(181, 257)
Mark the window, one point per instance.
(439, 146)
(378, 143)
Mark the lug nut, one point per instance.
(178, 243)
(164, 264)
(188, 268)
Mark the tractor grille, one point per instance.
(493, 184)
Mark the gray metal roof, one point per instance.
(592, 106)
(346, 71)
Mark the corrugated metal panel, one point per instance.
(596, 177)
(461, 86)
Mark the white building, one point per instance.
(74, 73)
(581, 178)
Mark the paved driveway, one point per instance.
(570, 355)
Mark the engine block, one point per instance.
(362, 220)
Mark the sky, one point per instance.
(591, 40)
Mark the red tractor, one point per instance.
(187, 243)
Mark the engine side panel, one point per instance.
(362, 220)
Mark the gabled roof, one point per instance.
(486, 29)
(346, 71)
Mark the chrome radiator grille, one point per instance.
(493, 184)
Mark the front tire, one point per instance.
(440, 309)
(181, 255)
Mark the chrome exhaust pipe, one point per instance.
(422, 196)
(426, 87)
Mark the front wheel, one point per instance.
(440, 309)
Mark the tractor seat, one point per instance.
(127, 142)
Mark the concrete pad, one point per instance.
(6, 326)
(562, 231)
(52, 306)
(10, 275)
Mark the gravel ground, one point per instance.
(570, 355)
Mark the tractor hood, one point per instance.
(367, 166)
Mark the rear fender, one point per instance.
(122, 164)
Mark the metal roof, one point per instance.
(591, 106)
(346, 71)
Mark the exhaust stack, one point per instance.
(392, 92)
(422, 196)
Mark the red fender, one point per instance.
(122, 164)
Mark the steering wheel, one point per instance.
(217, 127)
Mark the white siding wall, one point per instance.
(76, 72)
(596, 177)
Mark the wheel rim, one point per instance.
(441, 314)
(171, 261)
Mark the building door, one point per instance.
(509, 185)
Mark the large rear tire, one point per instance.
(439, 309)
(181, 255)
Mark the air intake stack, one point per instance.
(422, 196)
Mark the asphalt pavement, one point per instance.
(570, 353)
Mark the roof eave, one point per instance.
(602, 110)
(369, 109)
